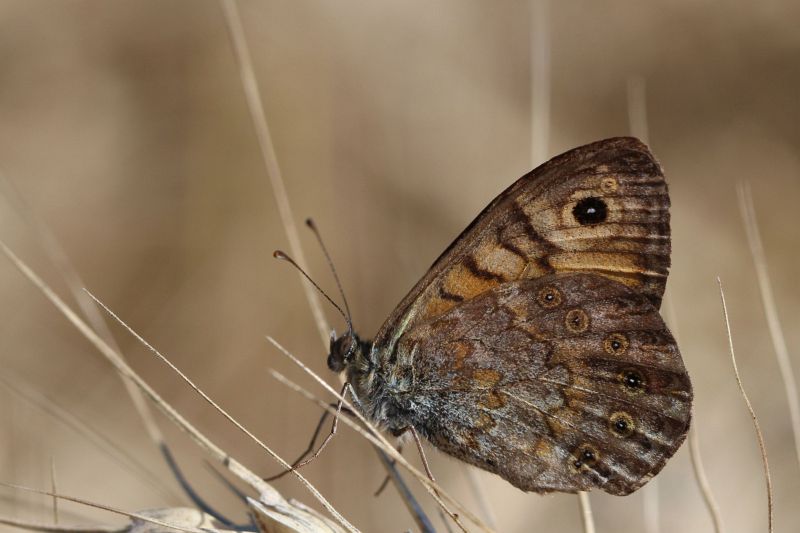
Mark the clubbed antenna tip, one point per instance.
(278, 254)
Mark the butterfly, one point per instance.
(533, 347)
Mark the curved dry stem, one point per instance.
(266, 492)
(694, 445)
(233, 23)
(748, 213)
(757, 426)
(318, 495)
(378, 439)
(104, 507)
(702, 481)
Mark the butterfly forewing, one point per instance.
(599, 208)
(563, 383)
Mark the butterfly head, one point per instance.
(345, 349)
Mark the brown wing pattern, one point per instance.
(599, 208)
(574, 383)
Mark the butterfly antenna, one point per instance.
(277, 254)
(310, 223)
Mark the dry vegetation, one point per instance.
(124, 129)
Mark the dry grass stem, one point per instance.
(757, 426)
(236, 31)
(587, 519)
(54, 488)
(651, 510)
(423, 522)
(540, 81)
(480, 497)
(50, 528)
(748, 212)
(103, 507)
(702, 481)
(637, 109)
(59, 258)
(116, 453)
(266, 492)
(224, 413)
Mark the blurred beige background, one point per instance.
(124, 126)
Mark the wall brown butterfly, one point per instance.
(533, 347)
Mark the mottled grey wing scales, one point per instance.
(562, 383)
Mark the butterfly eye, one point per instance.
(632, 380)
(351, 349)
(549, 297)
(577, 321)
(621, 424)
(590, 210)
(615, 344)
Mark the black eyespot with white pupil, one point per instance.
(616, 344)
(549, 297)
(622, 424)
(632, 379)
(591, 210)
(586, 455)
(577, 321)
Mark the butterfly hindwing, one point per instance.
(566, 382)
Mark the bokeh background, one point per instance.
(123, 126)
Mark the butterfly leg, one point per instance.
(307, 452)
(302, 461)
(388, 478)
(424, 459)
(418, 442)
